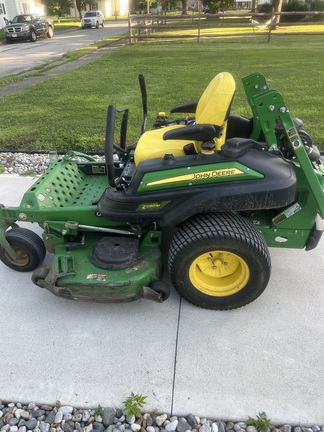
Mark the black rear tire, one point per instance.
(219, 261)
(29, 247)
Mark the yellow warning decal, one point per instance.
(204, 175)
(294, 138)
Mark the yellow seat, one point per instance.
(213, 108)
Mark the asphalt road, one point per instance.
(23, 55)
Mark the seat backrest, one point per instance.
(215, 103)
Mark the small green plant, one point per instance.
(28, 174)
(154, 412)
(262, 423)
(1, 169)
(133, 404)
(58, 404)
(98, 411)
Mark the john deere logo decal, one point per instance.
(205, 175)
(217, 173)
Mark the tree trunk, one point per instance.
(277, 5)
(184, 7)
(254, 5)
(78, 4)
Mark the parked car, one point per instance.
(93, 19)
(28, 26)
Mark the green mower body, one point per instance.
(104, 221)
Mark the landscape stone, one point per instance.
(108, 416)
(31, 424)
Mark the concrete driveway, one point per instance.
(267, 356)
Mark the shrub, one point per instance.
(293, 6)
(265, 8)
(317, 5)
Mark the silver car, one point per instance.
(93, 19)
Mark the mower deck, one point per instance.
(74, 275)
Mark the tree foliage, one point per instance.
(57, 7)
(62, 7)
(141, 5)
(215, 6)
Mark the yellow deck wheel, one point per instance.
(23, 257)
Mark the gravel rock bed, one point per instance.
(17, 417)
(19, 163)
(27, 163)
(32, 163)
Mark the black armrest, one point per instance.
(197, 132)
(187, 107)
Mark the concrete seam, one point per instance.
(175, 357)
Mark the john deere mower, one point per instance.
(222, 186)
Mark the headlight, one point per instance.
(24, 27)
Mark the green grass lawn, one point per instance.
(69, 111)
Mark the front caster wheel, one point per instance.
(29, 248)
(161, 288)
(219, 261)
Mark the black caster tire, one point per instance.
(161, 288)
(29, 247)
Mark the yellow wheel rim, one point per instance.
(219, 273)
(23, 257)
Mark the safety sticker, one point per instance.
(96, 276)
(98, 169)
(290, 211)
